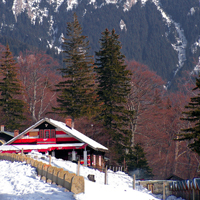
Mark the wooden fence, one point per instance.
(50, 174)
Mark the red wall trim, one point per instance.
(71, 139)
(28, 141)
(44, 140)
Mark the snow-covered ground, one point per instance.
(19, 181)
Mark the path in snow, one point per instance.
(19, 181)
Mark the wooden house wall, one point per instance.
(33, 137)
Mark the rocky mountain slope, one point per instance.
(165, 35)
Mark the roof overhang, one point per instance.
(41, 147)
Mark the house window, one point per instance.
(52, 133)
(41, 134)
(46, 133)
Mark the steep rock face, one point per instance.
(165, 35)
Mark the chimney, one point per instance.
(2, 128)
(68, 123)
(16, 133)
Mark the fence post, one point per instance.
(163, 190)
(124, 164)
(105, 175)
(103, 167)
(193, 195)
(78, 168)
(49, 159)
(134, 181)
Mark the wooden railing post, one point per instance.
(105, 175)
(78, 168)
(163, 190)
(49, 159)
(134, 181)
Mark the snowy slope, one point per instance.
(19, 181)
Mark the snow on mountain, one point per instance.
(196, 68)
(33, 9)
(122, 25)
(144, 1)
(192, 11)
(181, 42)
(128, 4)
(180, 46)
(71, 4)
(195, 46)
(58, 2)
(137, 26)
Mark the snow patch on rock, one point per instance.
(122, 25)
(32, 7)
(181, 42)
(196, 69)
(128, 4)
(71, 4)
(192, 11)
(195, 46)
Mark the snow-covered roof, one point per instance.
(78, 135)
(71, 131)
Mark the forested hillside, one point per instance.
(154, 124)
(163, 35)
(159, 39)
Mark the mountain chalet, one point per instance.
(58, 139)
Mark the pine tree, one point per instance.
(192, 134)
(76, 91)
(12, 107)
(137, 163)
(113, 89)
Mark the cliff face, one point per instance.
(165, 35)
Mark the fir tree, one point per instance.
(192, 134)
(137, 163)
(113, 89)
(11, 106)
(76, 91)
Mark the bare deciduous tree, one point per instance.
(38, 74)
